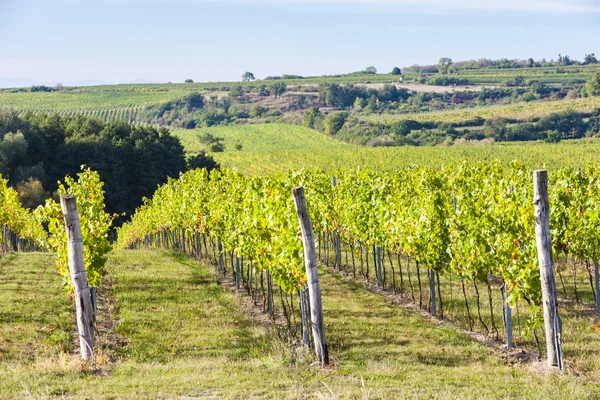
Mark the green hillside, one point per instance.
(260, 138)
(535, 154)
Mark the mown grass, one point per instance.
(187, 337)
(34, 318)
(260, 138)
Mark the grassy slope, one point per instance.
(261, 138)
(186, 338)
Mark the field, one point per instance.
(182, 335)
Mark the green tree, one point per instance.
(263, 91)
(530, 63)
(189, 81)
(360, 103)
(444, 64)
(194, 101)
(373, 104)
(248, 76)
(590, 59)
(396, 71)
(592, 87)
(217, 147)
(202, 160)
(236, 92)
(370, 70)
(312, 118)
(277, 89)
(257, 111)
(334, 122)
(553, 137)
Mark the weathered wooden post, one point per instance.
(379, 269)
(552, 322)
(507, 317)
(432, 292)
(597, 285)
(220, 251)
(83, 300)
(312, 275)
(198, 248)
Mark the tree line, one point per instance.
(36, 151)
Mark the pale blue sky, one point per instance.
(51, 41)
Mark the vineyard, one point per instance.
(552, 156)
(518, 112)
(551, 75)
(434, 225)
(456, 241)
(425, 259)
(124, 114)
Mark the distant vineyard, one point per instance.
(524, 111)
(535, 155)
(125, 114)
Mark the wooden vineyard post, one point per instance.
(312, 275)
(432, 292)
(507, 318)
(552, 322)
(220, 251)
(379, 269)
(198, 251)
(597, 285)
(238, 276)
(83, 300)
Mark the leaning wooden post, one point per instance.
(552, 322)
(83, 300)
(312, 275)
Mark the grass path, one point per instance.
(187, 337)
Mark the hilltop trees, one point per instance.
(396, 71)
(444, 65)
(590, 59)
(248, 76)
